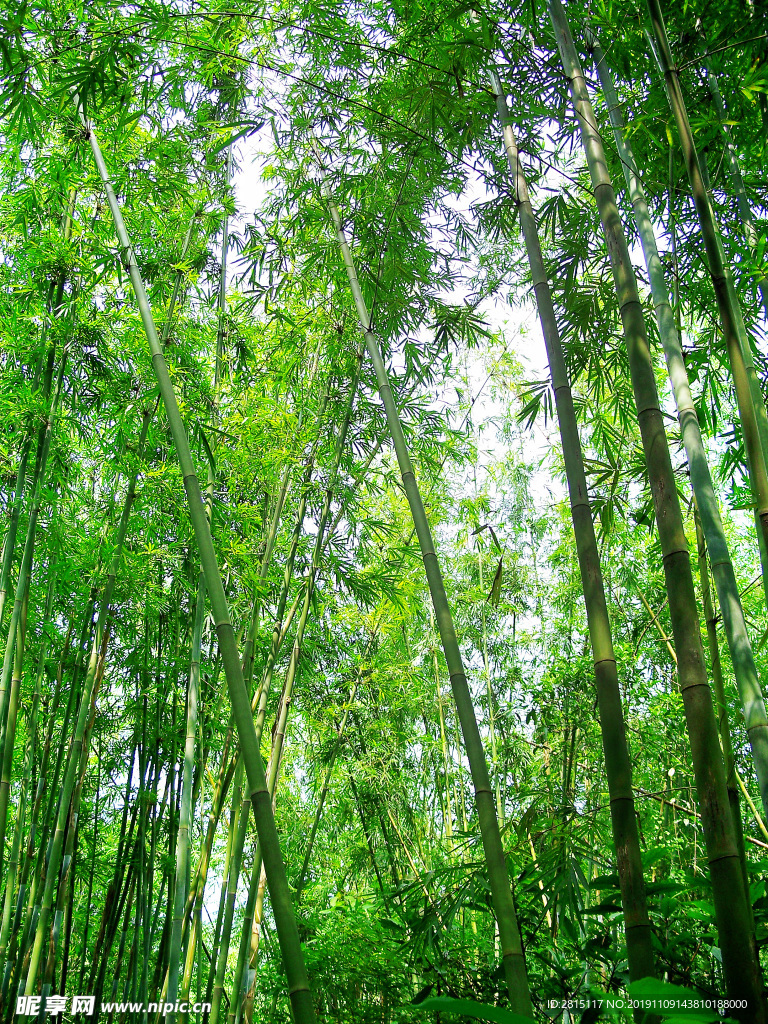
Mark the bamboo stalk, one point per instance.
(298, 981)
(754, 421)
(723, 726)
(513, 958)
(13, 867)
(249, 926)
(55, 299)
(726, 586)
(185, 811)
(323, 793)
(637, 925)
(742, 973)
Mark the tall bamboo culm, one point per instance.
(726, 585)
(288, 936)
(723, 725)
(246, 952)
(185, 808)
(742, 972)
(734, 169)
(637, 925)
(754, 421)
(513, 958)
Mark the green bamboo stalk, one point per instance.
(253, 921)
(21, 925)
(91, 871)
(723, 726)
(489, 694)
(321, 539)
(117, 893)
(726, 586)
(9, 544)
(222, 296)
(162, 960)
(249, 998)
(152, 812)
(147, 415)
(754, 421)
(14, 864)
(195, 895)
(732, 165)
(239, 802)
(167, 889)
(79, 737)
(637, 925)
(298, 982)
(54, 302)
(185, 815)
(123, 940)
(273, 769)
(512, 951)
(194, 934)
(443, 742)
(240, 983)
(142, 687)
(221, 787)
(324, 792)
(229, 906)
(269, 545)
(9, 697)
(66, 879)
(741, 970)
(279, 631)
(51, 787)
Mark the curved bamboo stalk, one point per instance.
(742, 973)
(12, 665)
(723, 726)
(185, 810)
(513, 958)
(754, 421)
(637, 925)
(298, 981)
(734, 168)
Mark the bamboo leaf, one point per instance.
(468, 1008)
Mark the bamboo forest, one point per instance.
(384, 511)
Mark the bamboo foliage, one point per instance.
(281, 359)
